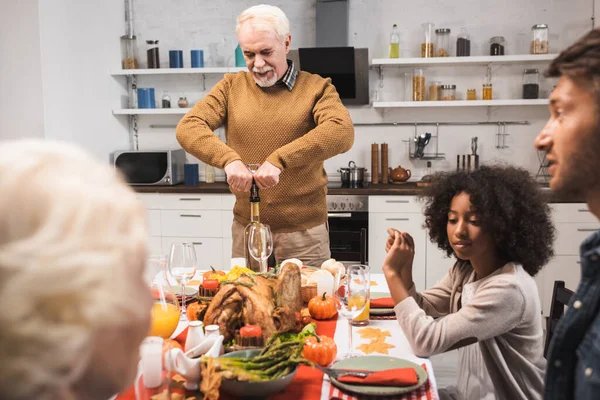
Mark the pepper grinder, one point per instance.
(474, 152)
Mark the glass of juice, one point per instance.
(165, 310)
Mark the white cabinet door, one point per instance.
(153, 220)
(406, 222)
(560, 268)
(184, 201)
(227, 244)
(438, 263)
(209, 251)
(155, 246)
(394, 204)
(570, 235)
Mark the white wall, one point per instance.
(21, 110)
(80, 45)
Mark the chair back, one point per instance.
(560, 298)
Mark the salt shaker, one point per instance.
(151, 361)
(213, 330)
(195, 335)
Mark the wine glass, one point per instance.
(260, 244)
(165, 310)
(351, 295)
(182, 266)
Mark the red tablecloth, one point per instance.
(306, 384)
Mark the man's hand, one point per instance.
(267, 175)
(400, 248)
(238, 176)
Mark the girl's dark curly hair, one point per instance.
(510, 205)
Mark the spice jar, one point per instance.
(531, 86)
(497, 46)
(427, 44)
(463, 44)
(471, 94)
(442, 42)
(539, 39)
(418, 84)
(182, 102)
(487, 91)
(152, 54)
(129, 52)
(166, 100)
(448, 92)
(434, 91)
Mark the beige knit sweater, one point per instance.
(294, 130)
(504, 317)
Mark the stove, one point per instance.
(340, 185)
(344, 203)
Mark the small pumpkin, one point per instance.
(319, 349)
(191, 311)
(322, 307)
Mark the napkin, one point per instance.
(388, 377)
(384, 302)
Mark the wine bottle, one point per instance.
(254, 220)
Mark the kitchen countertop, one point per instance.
(407, 189)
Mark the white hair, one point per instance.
(69, 230)
(264, 17)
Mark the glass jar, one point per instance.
(152, 54)
(427, 44)
(539, 39)
(418, 85)
(471, 94)
(487, 91)
(395, 42)
(448, 92)
(531, 84)
(442, 42)
(463, 44)
(434, 90)
(129, 52)
(166, 100)
(497, 46)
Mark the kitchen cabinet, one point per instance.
(203, 219)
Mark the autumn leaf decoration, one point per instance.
(377, 343)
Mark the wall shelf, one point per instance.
(459, 103)
(151, 111)
(176, 71)
(475, 60)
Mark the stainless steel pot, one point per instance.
(352, 175)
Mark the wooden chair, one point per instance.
(560, 298)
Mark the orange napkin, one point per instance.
(384, 302)
(388, 377)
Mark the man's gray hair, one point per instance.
(264, 17)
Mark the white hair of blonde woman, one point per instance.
(71, 231)
(264, 17)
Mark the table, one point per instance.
(306, 384)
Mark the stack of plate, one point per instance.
(380, 311)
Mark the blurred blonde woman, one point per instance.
(73, 303)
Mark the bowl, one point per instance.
(260, 389)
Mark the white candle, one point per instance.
(151, 353)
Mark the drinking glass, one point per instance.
(351, 295)
(182, 265)
(165, 310)
(260, 244)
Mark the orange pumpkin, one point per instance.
(169, 344)
(192, 311)
(322, 307)
(319, 349)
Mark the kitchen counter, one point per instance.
(406, 189)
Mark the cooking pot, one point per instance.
(352, 175)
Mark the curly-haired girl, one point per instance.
(496, 223)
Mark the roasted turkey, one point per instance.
(269, 301)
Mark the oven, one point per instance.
(348, 218)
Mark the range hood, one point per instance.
(332, 58)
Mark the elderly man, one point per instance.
(571, 139)
(287, 121)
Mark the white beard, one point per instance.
(265, 82)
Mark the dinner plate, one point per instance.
(189, 290)
(382, 311)
(378, 363)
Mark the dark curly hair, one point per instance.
(510, 205)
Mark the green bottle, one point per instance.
(239, 57)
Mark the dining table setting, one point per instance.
(296, 332)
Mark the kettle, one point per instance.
(399, 174)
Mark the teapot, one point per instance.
(399, 174)
(188, 367)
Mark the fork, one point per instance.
(336, 373)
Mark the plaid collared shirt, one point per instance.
(289, 78)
